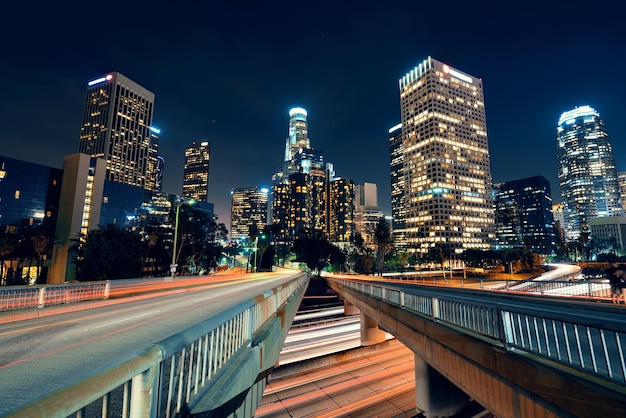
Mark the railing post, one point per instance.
(143, 394)
(435, 304)
(107, 289)
(42, 296)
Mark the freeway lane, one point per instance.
(42, 354)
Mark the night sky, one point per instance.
(228, 72)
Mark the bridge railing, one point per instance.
(591, 339)
(38, 296)
(600, 289)
(162, 379)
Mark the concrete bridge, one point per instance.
(518, 356)
(218, 366)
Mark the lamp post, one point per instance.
(256, 246)
(181, 202)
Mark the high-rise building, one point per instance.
(621, 181)
(447, 170)
(557, 212)
(29, 193)
(153, 182)
(396, 168)
(281, 203)
(196, 171)
(116, 128)
(159, 173)
(586, 173)
(298, 133)
(300, 203)
(367, 214)
(248, 206)
(340, 210)
(523, 214)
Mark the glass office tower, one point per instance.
(116, 128)
(396, 169)
(586, 173)
(447, 170)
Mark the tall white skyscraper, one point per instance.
(448, 202)
(116, 127)
(587, 174)
(298, 133)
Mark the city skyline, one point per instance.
(230, 77)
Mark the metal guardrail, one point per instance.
(163, 378)
(38, 296)
(599, 289)
(589, 340)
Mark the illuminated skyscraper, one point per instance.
(116, 128)
(523, 213)
(341, 210)
(196, 171)
(447, 170)
(621, 180)
(396, 168)
(587, 174)
(248, 206)
(367, 214)
(298, 133)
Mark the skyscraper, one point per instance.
(523, 213)
(116, 128)
(298, 133)
(196, 171)
(340, 217)
(367, 214)
(396, 168)
(248, 206)
(587, 174)
(447, 186)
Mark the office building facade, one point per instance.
(447, 174)
(396, 170)
(586, 171)
(367, 214)
(29, 193)
(116, 127)
(196, 171)
(248, 207)
(523, 214)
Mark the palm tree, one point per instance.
(382, 238)
(253, 234)
(41, 243)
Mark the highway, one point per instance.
(41, 354)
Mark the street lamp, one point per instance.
(178, 205)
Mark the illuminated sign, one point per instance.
(395, 128)
(155, 130)
(100, 80)
(454, 73)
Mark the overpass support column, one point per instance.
(370, 333)
(436, 396)
(349, 309)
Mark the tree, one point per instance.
(7, 245)
(382, 238)
(109, 253)
(316, 253)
